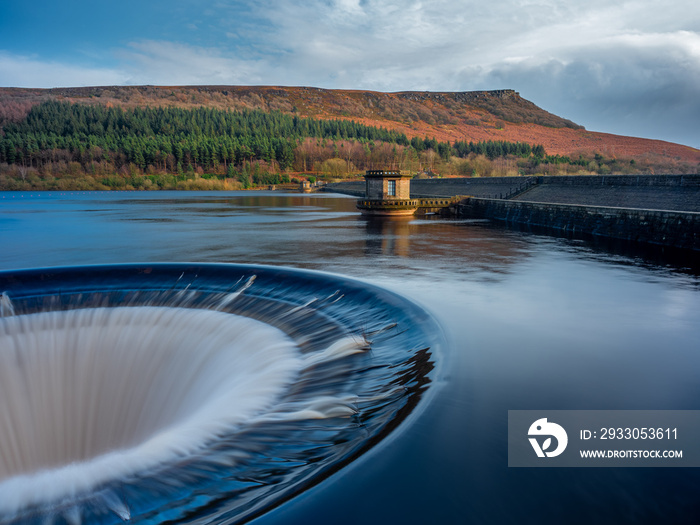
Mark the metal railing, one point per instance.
(529, 183)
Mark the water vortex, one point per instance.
(168, 392)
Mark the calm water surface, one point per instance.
(532, 321)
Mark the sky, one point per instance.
(629, 67)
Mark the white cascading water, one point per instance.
(95, 394)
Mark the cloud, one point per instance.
(172, 63)
(143, 62)
(643, 85)
(27, 71)
(630, 67)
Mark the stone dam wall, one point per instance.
(668, 228)
(491, 187)
(349, 187)
(487, 187)
(655, 209)
(655, 192)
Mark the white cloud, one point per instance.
(171, 63)
(630, 67)
(25, 71)
(637, 84)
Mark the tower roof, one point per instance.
(381, 174)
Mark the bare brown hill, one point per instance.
(470, 116)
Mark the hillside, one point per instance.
(501, 115)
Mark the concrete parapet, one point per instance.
(621, 180)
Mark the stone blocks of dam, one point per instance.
(662, 227)
(657, 192)
(654, 209)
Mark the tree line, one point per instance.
(167, 137)
(207, 140)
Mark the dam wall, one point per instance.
(654, 209)
(355, 188)
(619, 180)
(655, 192)
(660, 192)
(661, 227)
(489, 187)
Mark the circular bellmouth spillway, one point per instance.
(168, 392)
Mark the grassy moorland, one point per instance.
(238, 137)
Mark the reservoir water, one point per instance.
(530, 321)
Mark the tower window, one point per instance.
(391, 188)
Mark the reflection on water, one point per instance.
(533, 321)
(453, 246)
(388, 236)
